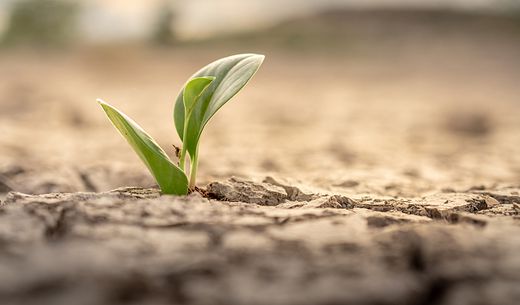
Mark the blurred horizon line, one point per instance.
(119, 21)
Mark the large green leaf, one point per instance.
(170, 177)
(231, 74)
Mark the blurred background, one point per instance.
(393, 97)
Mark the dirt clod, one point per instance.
(239, 190)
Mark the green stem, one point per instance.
(193, 168)
(182, 161)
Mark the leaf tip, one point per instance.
(106, 106)
(102, 103)
(259, 57)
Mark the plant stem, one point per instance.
(194, 163)
(182, 161)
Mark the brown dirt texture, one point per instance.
(363, 177)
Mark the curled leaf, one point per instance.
(192, 92)
(231, 74)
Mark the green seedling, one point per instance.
(202, 96)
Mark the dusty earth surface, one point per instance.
(353, 177)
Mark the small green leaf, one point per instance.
(170, 178)
(192, 92)
(231, 74)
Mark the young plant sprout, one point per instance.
(202, 96)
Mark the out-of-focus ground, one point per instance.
(400, 129)
(393, 103)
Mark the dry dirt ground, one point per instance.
(358, 178)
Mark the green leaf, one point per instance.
(231, 75)
(192, 92)
(170, 178)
